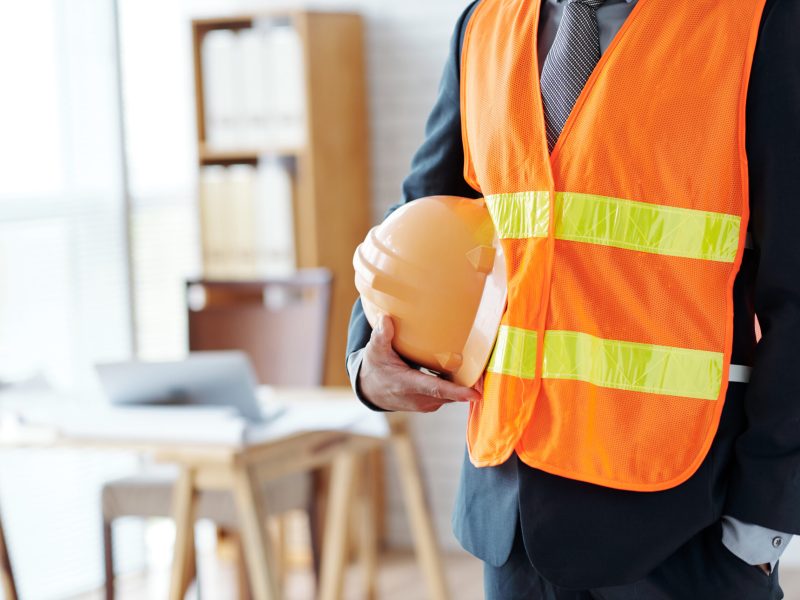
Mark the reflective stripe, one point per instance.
(520, 215)
(647, 227)
(610, 363)
(514, 353)
(631, 366)
(739, 373)
(617, 222)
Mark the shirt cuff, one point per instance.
(754, 544)
(354, 360)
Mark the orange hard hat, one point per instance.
(436, 267)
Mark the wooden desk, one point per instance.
(243, 469)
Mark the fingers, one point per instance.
(420, 403)
(389, 382)
(425, 404)
(384, 332)
(440, 389)
(478, 387)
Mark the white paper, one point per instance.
(255, 95)
(214, 216)
(241, 236)
(221, 92)
(273, 220)
(287, 83)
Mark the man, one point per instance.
(626, 524)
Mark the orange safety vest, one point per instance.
(621, 247)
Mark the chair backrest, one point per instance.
(280, 323)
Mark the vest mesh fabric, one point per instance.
(670, 137)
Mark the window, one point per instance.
(159, 122)
(64, 285)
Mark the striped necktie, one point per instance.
(569, 63)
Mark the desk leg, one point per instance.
(367, 526)
(334, 542)
(6, 574)
(429, 557)
(184, 502)
(255, 537)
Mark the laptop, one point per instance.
(212, 379)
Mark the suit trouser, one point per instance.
(702, 569)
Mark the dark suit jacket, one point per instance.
(581, 535)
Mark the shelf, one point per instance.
(208, 157)
(204, 25)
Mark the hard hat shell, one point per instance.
(436, 267)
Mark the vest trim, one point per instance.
(520, 215)
(514, 353)
(632, 366)
(617, 364)
(617, 222)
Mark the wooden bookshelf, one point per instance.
(331, 205)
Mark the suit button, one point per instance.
(777, 541)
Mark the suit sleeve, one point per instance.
(765, 481)
(436, 169)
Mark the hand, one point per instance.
(389, 383)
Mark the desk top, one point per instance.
(47, 419)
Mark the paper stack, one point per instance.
(254, 88)
(247, 220)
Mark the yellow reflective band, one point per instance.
(520, 215)
(647, 227)
(617, 222)
(631, 366)
(609, 363)
(514, 353)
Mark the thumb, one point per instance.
(384, 332)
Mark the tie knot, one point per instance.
(589, 3)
